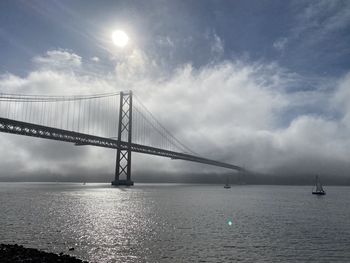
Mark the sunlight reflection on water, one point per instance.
(178, 223)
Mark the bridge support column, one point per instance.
(123, 160)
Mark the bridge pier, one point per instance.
(123, 159)
(122, 182)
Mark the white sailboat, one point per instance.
(319, 189)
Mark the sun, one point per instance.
(120, 38)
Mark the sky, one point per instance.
(261, 84)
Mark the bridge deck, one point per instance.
(34, 130)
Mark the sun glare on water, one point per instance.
(120, 38)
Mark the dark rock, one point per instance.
(16, 254)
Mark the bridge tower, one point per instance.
(123, 159)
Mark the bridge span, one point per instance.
(75, 133)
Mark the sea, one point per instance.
(178, 222)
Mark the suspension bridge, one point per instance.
(112, 120)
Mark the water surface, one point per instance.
(178, 223)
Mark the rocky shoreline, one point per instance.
(19, 254)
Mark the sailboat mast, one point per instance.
(318, 184)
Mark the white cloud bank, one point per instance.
(232, 111)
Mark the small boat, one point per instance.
(319, 189)
(227, 186)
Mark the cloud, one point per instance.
(280, 44)
(237, 112)
(321, 19)
(95, 59)
(330, 15)
(217, 46)
(341, 100)
(54, 82)
(58, 59)
(135, 66)
(165, 41)
(234, 111)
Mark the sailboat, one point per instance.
(227, 186)
(319, 189)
